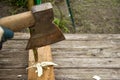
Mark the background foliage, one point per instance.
(18, 3)
(91, 16)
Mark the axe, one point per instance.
(40, 21)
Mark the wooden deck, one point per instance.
(79, 57)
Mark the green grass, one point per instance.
(61, 24)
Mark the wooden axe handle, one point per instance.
(19, 21)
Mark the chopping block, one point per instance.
(44, 55)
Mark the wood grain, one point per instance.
(88, 62)
(44, 54)
(80, 57)
(84, 53)
(15, 74)
(87, 74)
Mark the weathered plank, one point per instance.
(13, 54)
(83, 52)
(74, 37)
(87, 74)
(87, 44)
(21, 36)
(87, 62)
(15, 44)
(65, 62)
(86, 37)
(86, 49)
(13, 60)
(70, 44)
(13, 74)
(59, 49)
(11, 63)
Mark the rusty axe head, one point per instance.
(44, 31)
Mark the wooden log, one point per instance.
(44, 54)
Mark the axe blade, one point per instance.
(44, 32)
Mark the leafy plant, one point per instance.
(18, 3)
(61, 24)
